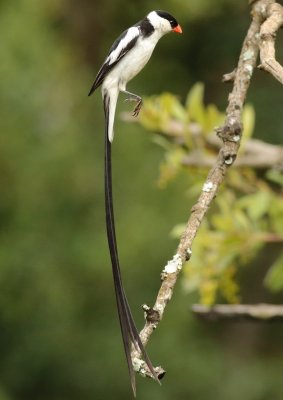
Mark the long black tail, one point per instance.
(129, 331)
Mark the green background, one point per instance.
(59, 332)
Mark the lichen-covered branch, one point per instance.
(268, 31)
(230, 134)
(256, 312)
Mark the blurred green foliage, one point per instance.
(248, 212)
(59, 334)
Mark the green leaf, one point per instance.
(275, 176)
(276, 214)
(177, 110)
(248, 121)
(171, 166)
(162, 142)
(194, 104)
(242, 221)
(151, 117)
(274, 277)
(214, 118)
(177, 231)
(256, 204)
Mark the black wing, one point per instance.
(119, 49)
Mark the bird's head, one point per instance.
(163, 22)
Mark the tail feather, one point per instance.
(129, 331)
(112, 97)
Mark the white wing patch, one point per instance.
(130, 35)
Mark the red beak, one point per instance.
(177, 29)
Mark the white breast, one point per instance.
(132, 63)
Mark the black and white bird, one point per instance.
(126, 58)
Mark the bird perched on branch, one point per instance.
(126, 58)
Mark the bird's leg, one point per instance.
(137, 99)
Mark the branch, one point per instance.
(267, 41)
(257, 154)
(230, 133)
(258, 312)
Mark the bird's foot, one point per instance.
(138, 100)
(137, 108)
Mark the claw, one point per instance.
(137, 108)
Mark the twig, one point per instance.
(258, 312)
(267, 41)
(229, 77)
(230, 133)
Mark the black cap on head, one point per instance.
(169, 17)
